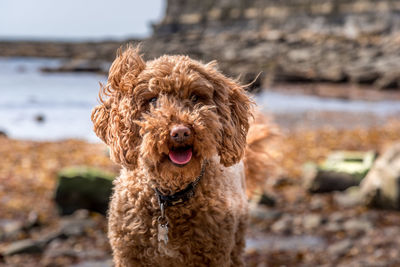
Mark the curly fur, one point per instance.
(209, 229)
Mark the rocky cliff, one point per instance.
(334, 41)
(353, 41)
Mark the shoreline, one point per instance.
(96, 57)
(338, 91)
(35, 110)
(81, 63)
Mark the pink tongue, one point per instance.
(180, 157)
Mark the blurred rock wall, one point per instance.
(368, 16)
(288, 40)
(334, 41)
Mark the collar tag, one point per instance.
(179, 197)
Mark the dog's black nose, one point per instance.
(180, 133)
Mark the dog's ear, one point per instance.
(234, 108)
(125, 69)
(100, 118)
(113, 118)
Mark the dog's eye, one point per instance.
(194, 98)
(153, 101)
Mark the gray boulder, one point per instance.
(381, 187)
(23, 246)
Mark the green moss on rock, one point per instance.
(83, 188)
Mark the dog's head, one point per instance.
(170, 114)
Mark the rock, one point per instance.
(349, 198)
(102, 263)
(40, 118)
(316, 204)
(9, 229)
(337, 217)
(267, 200)
(73, 225)
(83, 188)
(339, 249)
(80, 65)
(265, 214)
(266, 243)
(327, 181)
(362, 71)
(283, 225)
(333, 227)
(340, 171)
(281, 182)
(53, 252)
(3, 133)
(312, 221)
(260, 197)
(356, 227)
(46, 238)
(381, 187)
(32, 220)
(76, 224)
(23, 246)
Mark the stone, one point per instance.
(32, 220)
(264, 243)
(357, 226)
(337, 217)
(351, 197)
(260, 197)
(341, 170)
(83, 188)
(263, 213)
(328, 181)
(40, 118)
(283, 225)
(333, 227)
(80, 65)
(10, 228)
(3, 133)
(99, 263)
(316, 204)
(53, 252)
(312, 221)
(340, 248)
(23, 246)
(267, 200)
(75, 225)
(381, 187)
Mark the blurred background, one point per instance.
(326, 73)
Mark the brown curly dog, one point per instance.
(178, 128)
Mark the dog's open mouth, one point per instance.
(180, 156)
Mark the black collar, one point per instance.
(180, 196)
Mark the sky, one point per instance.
(78, 19)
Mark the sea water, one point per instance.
(64, 101)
